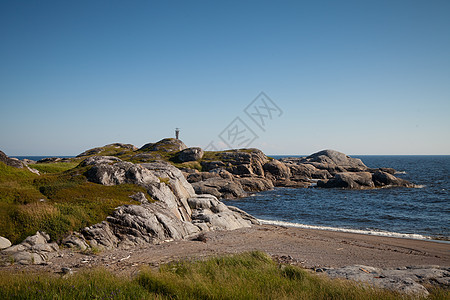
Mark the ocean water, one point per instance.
(36, 158)
(422, 213)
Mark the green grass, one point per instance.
(54, 167)
(245, 276)
(97, 284)
(56, 203)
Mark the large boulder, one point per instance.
(132, 225)
(190, 154)
(165, 145)
(176, 180)
(209, 213)
(35, 249)
(12, 162)
(276, 170)
(238, 162)
(4, 243)
(119, 173)
(179, 186)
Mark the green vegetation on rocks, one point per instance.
(54, 167)
(56, 202)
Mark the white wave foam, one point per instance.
(359, 231)
(400, 172)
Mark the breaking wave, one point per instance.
(349, 230)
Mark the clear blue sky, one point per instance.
(361, 77)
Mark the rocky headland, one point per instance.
(177, 194)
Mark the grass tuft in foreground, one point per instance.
(246, 276)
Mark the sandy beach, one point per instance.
(304, 247)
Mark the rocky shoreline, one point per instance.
(182, 203)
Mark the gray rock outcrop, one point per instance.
(165, 145)
(12, 162)
(208, 213)
(177, 186)
(238, 162)
(118, 173)
(349, 180)
(171, 217)
(35, 249)
(384, 179)
(407, 280)
(220, 188)
(334, 161)
(132, 225)
(190, 154)
(333, 169)
(75, 241)
(50, 160)
(4, 243)
(116, 147)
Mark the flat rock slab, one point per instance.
(406, 280)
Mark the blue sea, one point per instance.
(36, 158)
(421, 213)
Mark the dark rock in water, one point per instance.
(12, 162)
(349, 180)
(291, 183)
(165, 145)
(190, 154)
(388, 170)
(383, 179)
